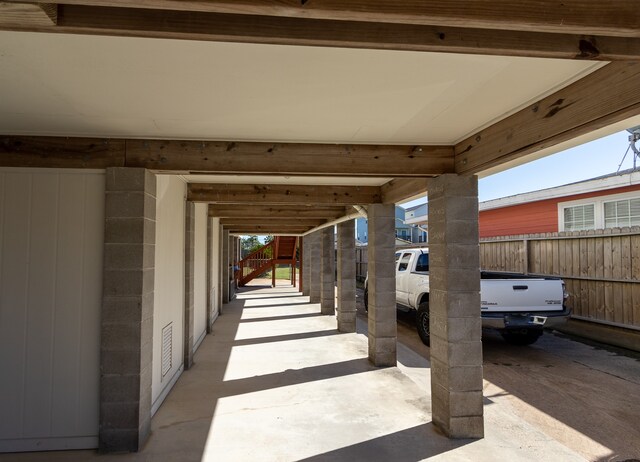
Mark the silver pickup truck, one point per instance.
(517, 305)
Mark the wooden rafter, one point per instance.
(97, 153)
(273, 211)
(290, 158)
(28, 14)
(274, 230)
(278, 222)
(227, 157)
(491, 36)
(61, 152)
(282, 194)
(613, 17)
(399, 190)
(606, 96)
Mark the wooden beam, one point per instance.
(290, 158)
(279, 222)
(275, 211)
(222, 27)
(282, 194)
(606, 96)
(28, 14)
(400, 190)
(227, 157)
(58, 152)
(588, 17)
(264, 229)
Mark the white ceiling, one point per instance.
(72, 85)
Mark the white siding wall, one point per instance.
(51, 256)
(215, 266)
(169, 282)
(200, 276)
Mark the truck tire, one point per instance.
(522, 337)
(422, 323)
(366, 299)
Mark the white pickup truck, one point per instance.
(517, 305)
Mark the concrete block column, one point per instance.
(304, 265)
(127, 309)
(328, 272)
(210, 282)
(346, 276)
(382, 285)
(189, 281)
(233, 251)
(225, 266)
(315, 252)
(219, 295)
(454, 306)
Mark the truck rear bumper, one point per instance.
(525, 320)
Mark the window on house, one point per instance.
(622, 213)
(579, 217)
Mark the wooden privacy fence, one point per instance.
(601, 268)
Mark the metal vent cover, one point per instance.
(167, 348)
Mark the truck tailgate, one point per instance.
(521, 295)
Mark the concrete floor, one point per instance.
(583, 394)
(277, 382)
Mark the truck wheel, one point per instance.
(522, 337)
(366, 300)
(422, 321)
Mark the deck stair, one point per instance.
(281, 250)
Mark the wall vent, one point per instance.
(167, 348)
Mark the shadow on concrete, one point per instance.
(295, 377)
(257, 297)
(274, 304)
(280, 318)
(569, 395)
(286, 338)
(576, 385)
(411, 445)
(235, 392)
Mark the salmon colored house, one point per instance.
(609, 201)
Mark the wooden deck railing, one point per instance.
(256, 263)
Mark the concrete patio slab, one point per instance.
(276, 381)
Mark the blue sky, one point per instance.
(599, 157)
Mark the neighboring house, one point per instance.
(415, 217)
(609, 201)
(415, 211)
(405, 232)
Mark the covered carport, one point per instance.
(284, 111)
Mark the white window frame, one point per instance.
(613, 202)
(561, 224)
(598, 207)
